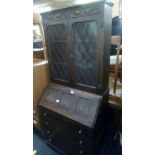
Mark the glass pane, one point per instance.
(57, 41)
(84, 42)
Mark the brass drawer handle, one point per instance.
(46, 123)
(57, 101)
(81, 142)
(72, 92)
(45, 114)
(80, 132)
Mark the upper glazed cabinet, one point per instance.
(78, 45)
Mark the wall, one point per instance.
(36, 18)
(116, 8)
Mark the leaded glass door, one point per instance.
(57, 50)
(84, 47)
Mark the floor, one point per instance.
(112, 147)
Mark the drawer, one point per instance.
(57, 118)
(57, 133)
(68, 145)
(57, 129)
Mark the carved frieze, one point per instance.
(93, 10)
(73, 12)
(59, 15)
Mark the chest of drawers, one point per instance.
(72, 120)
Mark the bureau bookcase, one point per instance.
(73, 108)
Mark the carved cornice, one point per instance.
(73, 12)
(89, 11)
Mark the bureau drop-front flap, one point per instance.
(79, 106)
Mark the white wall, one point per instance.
(116, 8)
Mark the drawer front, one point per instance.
(53, 119)
(66, 141)
(64, 136)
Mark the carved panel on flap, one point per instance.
(66, 101)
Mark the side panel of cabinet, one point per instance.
(107, 18)
(40, 82)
